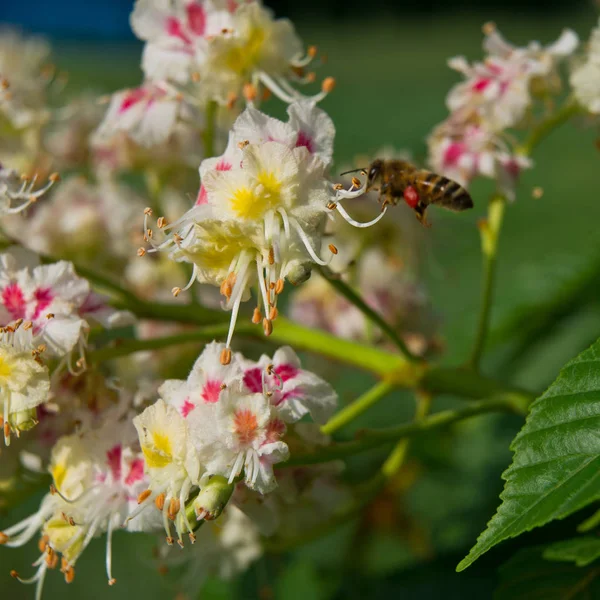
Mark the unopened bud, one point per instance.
(213, 498)
(23, 420)
(300, 273)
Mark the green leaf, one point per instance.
(556, 464)
(590, 523)
(527, 576)
(580, 550)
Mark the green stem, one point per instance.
(208, 135)
(367, 440)
(490, 233)
(356, 408)
(373, 316)
(569, 109)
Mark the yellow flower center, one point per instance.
(59, 472)
(252, 204)
(159, 452)
(5, 367)
(242, 58)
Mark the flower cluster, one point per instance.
(260, 213)
(224, 424)
(97, 475)
(203, 51)
(497, 94)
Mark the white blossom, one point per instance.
(97, 477)
(585, 78)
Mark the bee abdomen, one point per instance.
(444, 192)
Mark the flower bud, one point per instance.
(213, 498)
(23, 420)
(300, 274)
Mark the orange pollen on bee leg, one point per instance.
(245, 425)
(225, 356)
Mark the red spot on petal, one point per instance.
(253, 380)
(136, 472)
(286, 372)
(14, 301)
(305, 140)
(453, 152)
(232, 5)
(43, 297)
(196, 18)
(411, 196)
(211, 391)
(187, 408)
(113, 458)
(224, 165)
(245, 425)
(479, 85)
(275, 431)
(174, 29)
(202, 196)
(131, 98)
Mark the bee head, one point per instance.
(374, 174)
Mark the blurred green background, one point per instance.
(392, 81)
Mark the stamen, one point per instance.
(143, 496)
(109, 533)
(307, 243)
(159, 501)
(333, 249)
(225, 356)
(256, 316)
(358, 224)
(267, 327)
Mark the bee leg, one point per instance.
(420, 214)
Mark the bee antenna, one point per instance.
(352, 171)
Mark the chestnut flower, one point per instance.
(97, 477)
(261, 210)
(221, 46)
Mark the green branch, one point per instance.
(356, 408)
(490, 232)
(369, 439)
(373, 316)
(569, 109)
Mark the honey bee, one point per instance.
(396, 179)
